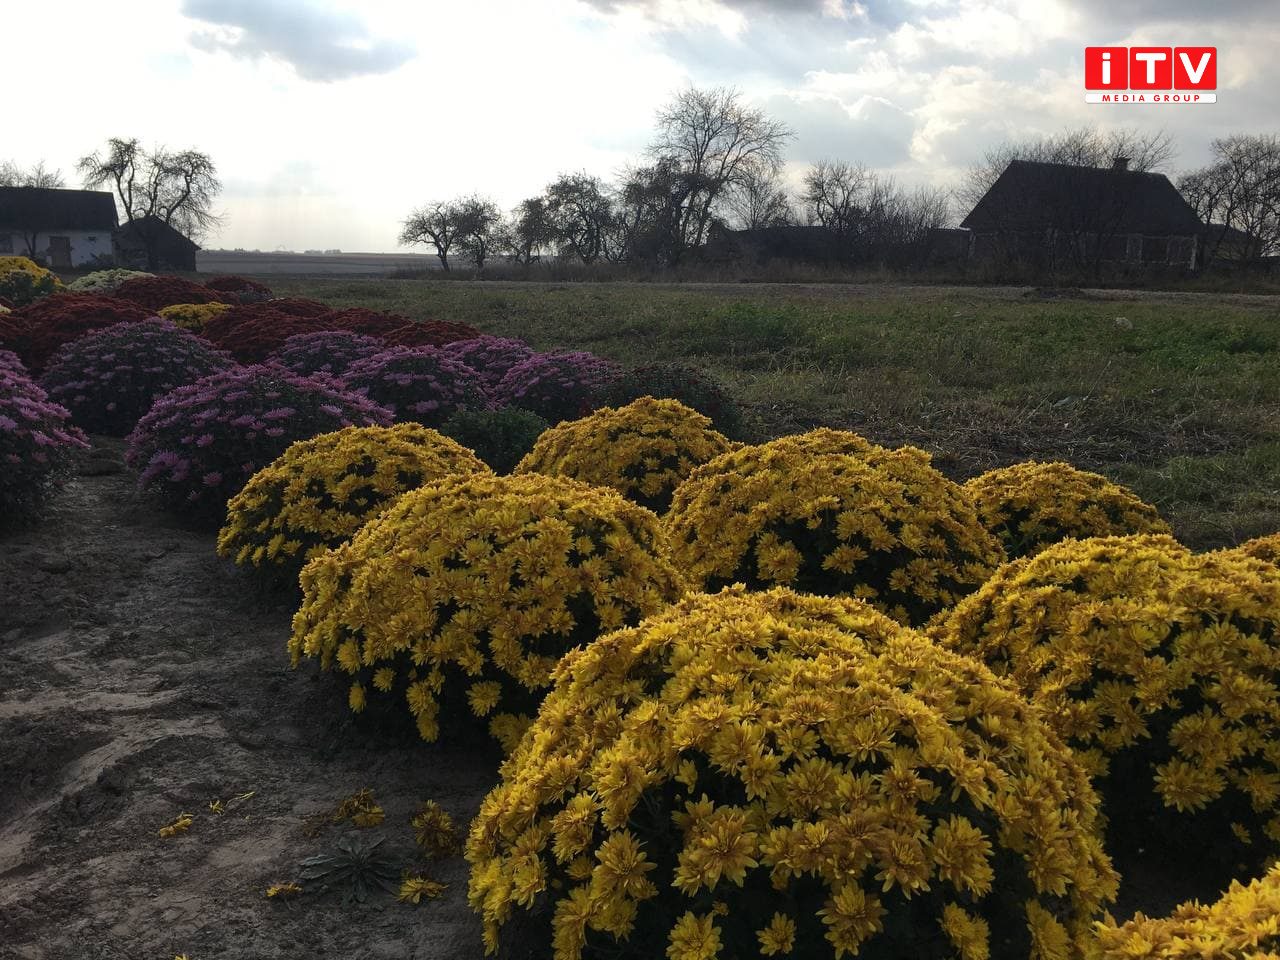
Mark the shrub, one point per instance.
(750, 775)
(491, 357)
(499, 437)
(676, 381)
(1260, 548)
(253, 332)
(397, 329)
(11, 362)
(193, 316)
(643, 450)
(298, 306)
(319, 492)
(35, 332)
(1160, 668)
(37, 443)
(6, 304)
(1032, 505)
(199, 444)
(371, 323)
(882, 525)
(417, 383)
(23, 281)
(459, 600)
(109, 378)
(563, 385)
(1241, 925)
(104, 282)
(156, 292)
(241, 289)
(328, 351)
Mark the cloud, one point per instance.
(319, 42)
(881, 12)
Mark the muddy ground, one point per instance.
(142, 677)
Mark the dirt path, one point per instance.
(141, 678)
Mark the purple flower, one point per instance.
(562, 385)
(423, 384)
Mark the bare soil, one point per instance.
(140, 678)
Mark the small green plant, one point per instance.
(358, 868)
(500, 437)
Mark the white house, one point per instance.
(61, 229)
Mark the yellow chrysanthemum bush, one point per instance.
(1162, 669)
(193, 316)
(1032, 505)
(778, 774)
(1244, 924)
(320, 491)
(1260, 548)
(459, 600)
(643, 450)
(831, 514)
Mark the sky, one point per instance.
(330, 120)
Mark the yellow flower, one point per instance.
(180, 824)
(694, 938)
(356, 697)
(415, 887)
(779, 937)
(283, 891)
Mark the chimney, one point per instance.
(1120, 163)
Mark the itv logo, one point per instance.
(1145, 73)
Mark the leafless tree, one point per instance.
(760, 201)
(528, 232)
(437, 224)
(174, 188)
(479, 229)
(713, 141)
(1083, 146)
(1239, 190)
(12, 175)
(580, 213)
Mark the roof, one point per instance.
(157, 227)
(1031, 196)
(786, 242)
(25, 208)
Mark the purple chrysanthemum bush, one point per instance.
(561, 385)
(329, 351)
(37, 442)
(12, 362)
(491, 357)
(199, 445)
(109, 378)
(418, 384)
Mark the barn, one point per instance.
(148, 243)
(62, 229)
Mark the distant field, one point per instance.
(304, 264)
(1177, 395)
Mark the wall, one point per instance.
(85, 245)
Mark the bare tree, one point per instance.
(479, 233)
(1082, 147)
(437, 224)
(1239, 191)
(159, 186)
(580, 212)
(714, 141)
(528, 232)
(760, 201)
(12, 175)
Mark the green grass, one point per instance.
(1176, 395)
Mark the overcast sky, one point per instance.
(329, 120)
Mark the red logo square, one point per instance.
(1150, 68)
(1106, 68)
(1195, 68)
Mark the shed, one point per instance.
(62, 229)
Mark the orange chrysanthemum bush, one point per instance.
(1032, 505)
(320, 491)
(460, 599)
(1162, 669)
(775, 774)
(829, 513)
(644, 450)
(1244, 924)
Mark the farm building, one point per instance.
(149, 243)
(62, 229)
(799, 244)
(1057, 213)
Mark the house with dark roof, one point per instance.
(148, 243)
(1063, 215)
(62, 229)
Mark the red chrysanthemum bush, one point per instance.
(830, 514)
(1161, 669)
(430, 333)
(36, 332)
(200, 444)
(561, 385)
(252, 332)
(240, 289)
(754, 775)
(491, 357)
(156, 292)
(421, 384)
(109, 378)
(319, 492)
(330, 352)
(37, 443)
(298, 306)
(458, 601)
(1032, 505)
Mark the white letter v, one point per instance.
(1198, 72)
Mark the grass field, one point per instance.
(1177, 395)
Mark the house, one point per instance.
(62, 229)
(1055, 214)
(149, 243)
(793, 243)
